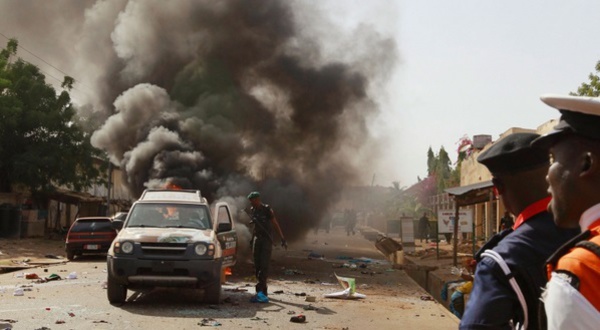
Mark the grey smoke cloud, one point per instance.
(227, 97)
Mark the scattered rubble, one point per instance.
(209, 323)
(298, 318)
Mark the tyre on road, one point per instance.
(70, 255)
(116, 292)
(212, 293)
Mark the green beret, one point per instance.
(253, 194)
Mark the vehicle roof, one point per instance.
(172, 196)
(93, 218)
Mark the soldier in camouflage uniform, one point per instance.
(264, 220)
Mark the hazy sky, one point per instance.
(475, 67)
(464, 67)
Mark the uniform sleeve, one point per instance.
(492, 301)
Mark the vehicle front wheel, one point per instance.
(212, 293)
(116, 292)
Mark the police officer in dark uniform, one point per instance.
(264, 220)
(513, 261)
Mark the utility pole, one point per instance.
(108, 187)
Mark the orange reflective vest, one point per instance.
(582, 264)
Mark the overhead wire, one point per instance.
(52, 66)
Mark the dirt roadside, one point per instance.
(30, 248)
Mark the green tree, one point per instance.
(442, 170)
(431, 162)
(40, 144)
(593, 87)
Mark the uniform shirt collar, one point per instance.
(531, 210)
(589, 216)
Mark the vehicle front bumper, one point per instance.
(168, 273)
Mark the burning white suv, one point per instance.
(170, 239)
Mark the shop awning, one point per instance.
(472, 194)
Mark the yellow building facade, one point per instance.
(486, 215)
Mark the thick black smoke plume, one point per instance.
(228, 97)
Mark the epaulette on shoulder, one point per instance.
(567, 246)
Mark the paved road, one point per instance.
(393, 299)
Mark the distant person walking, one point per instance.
(506, 222)
(424, 228)
(350, 222)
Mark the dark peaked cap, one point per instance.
(580, 115)
(513, 154)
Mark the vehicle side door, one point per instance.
(226, 233)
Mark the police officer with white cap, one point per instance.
(572, 296)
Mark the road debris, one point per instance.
(349, 285)
(209, 323)
(31, 276)
(18, 292)
(51, 277)
(298, 319)
(292, 272)
(51, 256)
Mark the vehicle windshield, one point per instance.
(103, 225)
(162, 215)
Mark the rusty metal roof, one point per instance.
(472, 194)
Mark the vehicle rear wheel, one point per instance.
(212, 293)
(116, 292)
(70, 255)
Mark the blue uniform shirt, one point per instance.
(493, 303)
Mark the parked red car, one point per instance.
(89, 235)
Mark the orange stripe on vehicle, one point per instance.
(229, 252)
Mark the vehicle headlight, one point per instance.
(127, 247)
(200, 249)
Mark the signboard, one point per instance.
(407, 228)
(446, 221)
